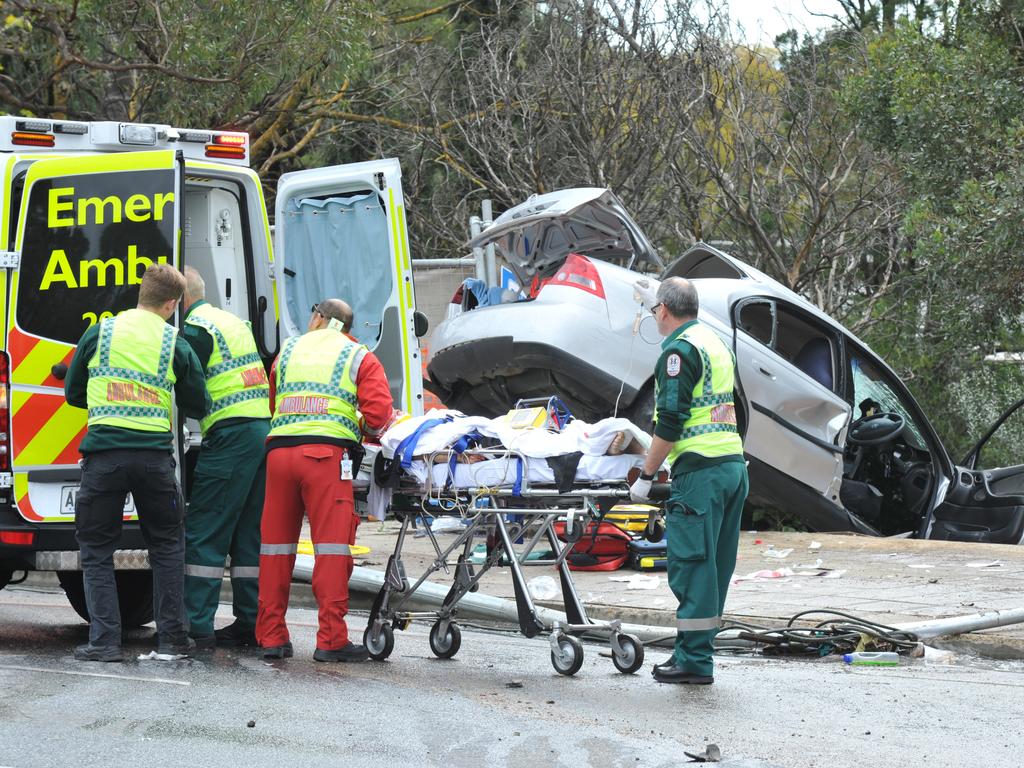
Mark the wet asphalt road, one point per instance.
(415, 710)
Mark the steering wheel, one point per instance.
(877, 429)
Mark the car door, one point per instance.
(340, 232)
(789, 365)
(87, 229)
(985, 500)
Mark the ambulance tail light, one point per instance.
(230, 145)
(5, 413)
(18, 538)
(579, 272)
(33, 139)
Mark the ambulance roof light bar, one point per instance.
(68, 136)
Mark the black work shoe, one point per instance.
(205, 643)
(235, 635)
(677, 674)
(669, 662)
(89, 652)
(350, 652)
(279, 651)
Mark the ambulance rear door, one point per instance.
(88, 227)
(340, 232)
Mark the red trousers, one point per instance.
(306, 477)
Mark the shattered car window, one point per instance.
(870, 384)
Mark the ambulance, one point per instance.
(85, 208)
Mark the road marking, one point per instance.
(96, 674)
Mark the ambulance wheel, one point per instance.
(134, 595)
(627, 653)
(445, 647)
(568, 659)
(382, 647)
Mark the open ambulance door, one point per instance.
(87, 230)
(340, 233)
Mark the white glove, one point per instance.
(640, 490)
(645, 293)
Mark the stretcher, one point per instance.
(513, 502)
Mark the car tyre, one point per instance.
(641, 412)
(134, 595)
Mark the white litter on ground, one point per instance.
(638, 581)
(982, 564)
(814, 545)
(919, 565)
(778, 554)
(154, 656)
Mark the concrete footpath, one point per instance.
(889, 581)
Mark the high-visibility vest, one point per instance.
(235, 376)
(131, 374)
(710, 429)
(315, 388)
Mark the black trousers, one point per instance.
(107, 476)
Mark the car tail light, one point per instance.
(579, 272)
(18, 538)
(5, 413)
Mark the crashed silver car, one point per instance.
(832, 435)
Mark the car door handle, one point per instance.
(764, 371)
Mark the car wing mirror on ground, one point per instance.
(420, 324)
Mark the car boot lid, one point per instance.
(536, 236)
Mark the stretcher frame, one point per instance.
(485, 511)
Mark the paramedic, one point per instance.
(226, 499)
(124, 371)
(695, 429)
(316, 385)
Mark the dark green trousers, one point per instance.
(223, 518)
(703, 529)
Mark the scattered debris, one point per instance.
(815, 565)
(514, 684)
(919, 565)
(638, 581)
(778, 554)
(781, 573)
(983, 564)
(543, 588)
(251, 724)
(711, 754)
(154, 656)
(814, 545)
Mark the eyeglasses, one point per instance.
(316, 310)
(654, 309)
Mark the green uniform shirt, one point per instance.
(675, 393)
(189, 389)
(202, 344)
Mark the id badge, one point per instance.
(346, 468)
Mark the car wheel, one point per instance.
(134, 595)
(641, 412)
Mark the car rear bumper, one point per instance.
(488, 375)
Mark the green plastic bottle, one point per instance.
(869, 659)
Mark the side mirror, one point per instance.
(420, 324)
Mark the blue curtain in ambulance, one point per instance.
(338, 247)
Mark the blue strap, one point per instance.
(459, 447)
(407, 448)
(517, 487)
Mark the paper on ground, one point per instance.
(638, 581)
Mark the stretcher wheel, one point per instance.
(627, 653)
(447, 646)
(568, 659)
(382, 647)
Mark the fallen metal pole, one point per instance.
(489, 608)
(957, 625)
